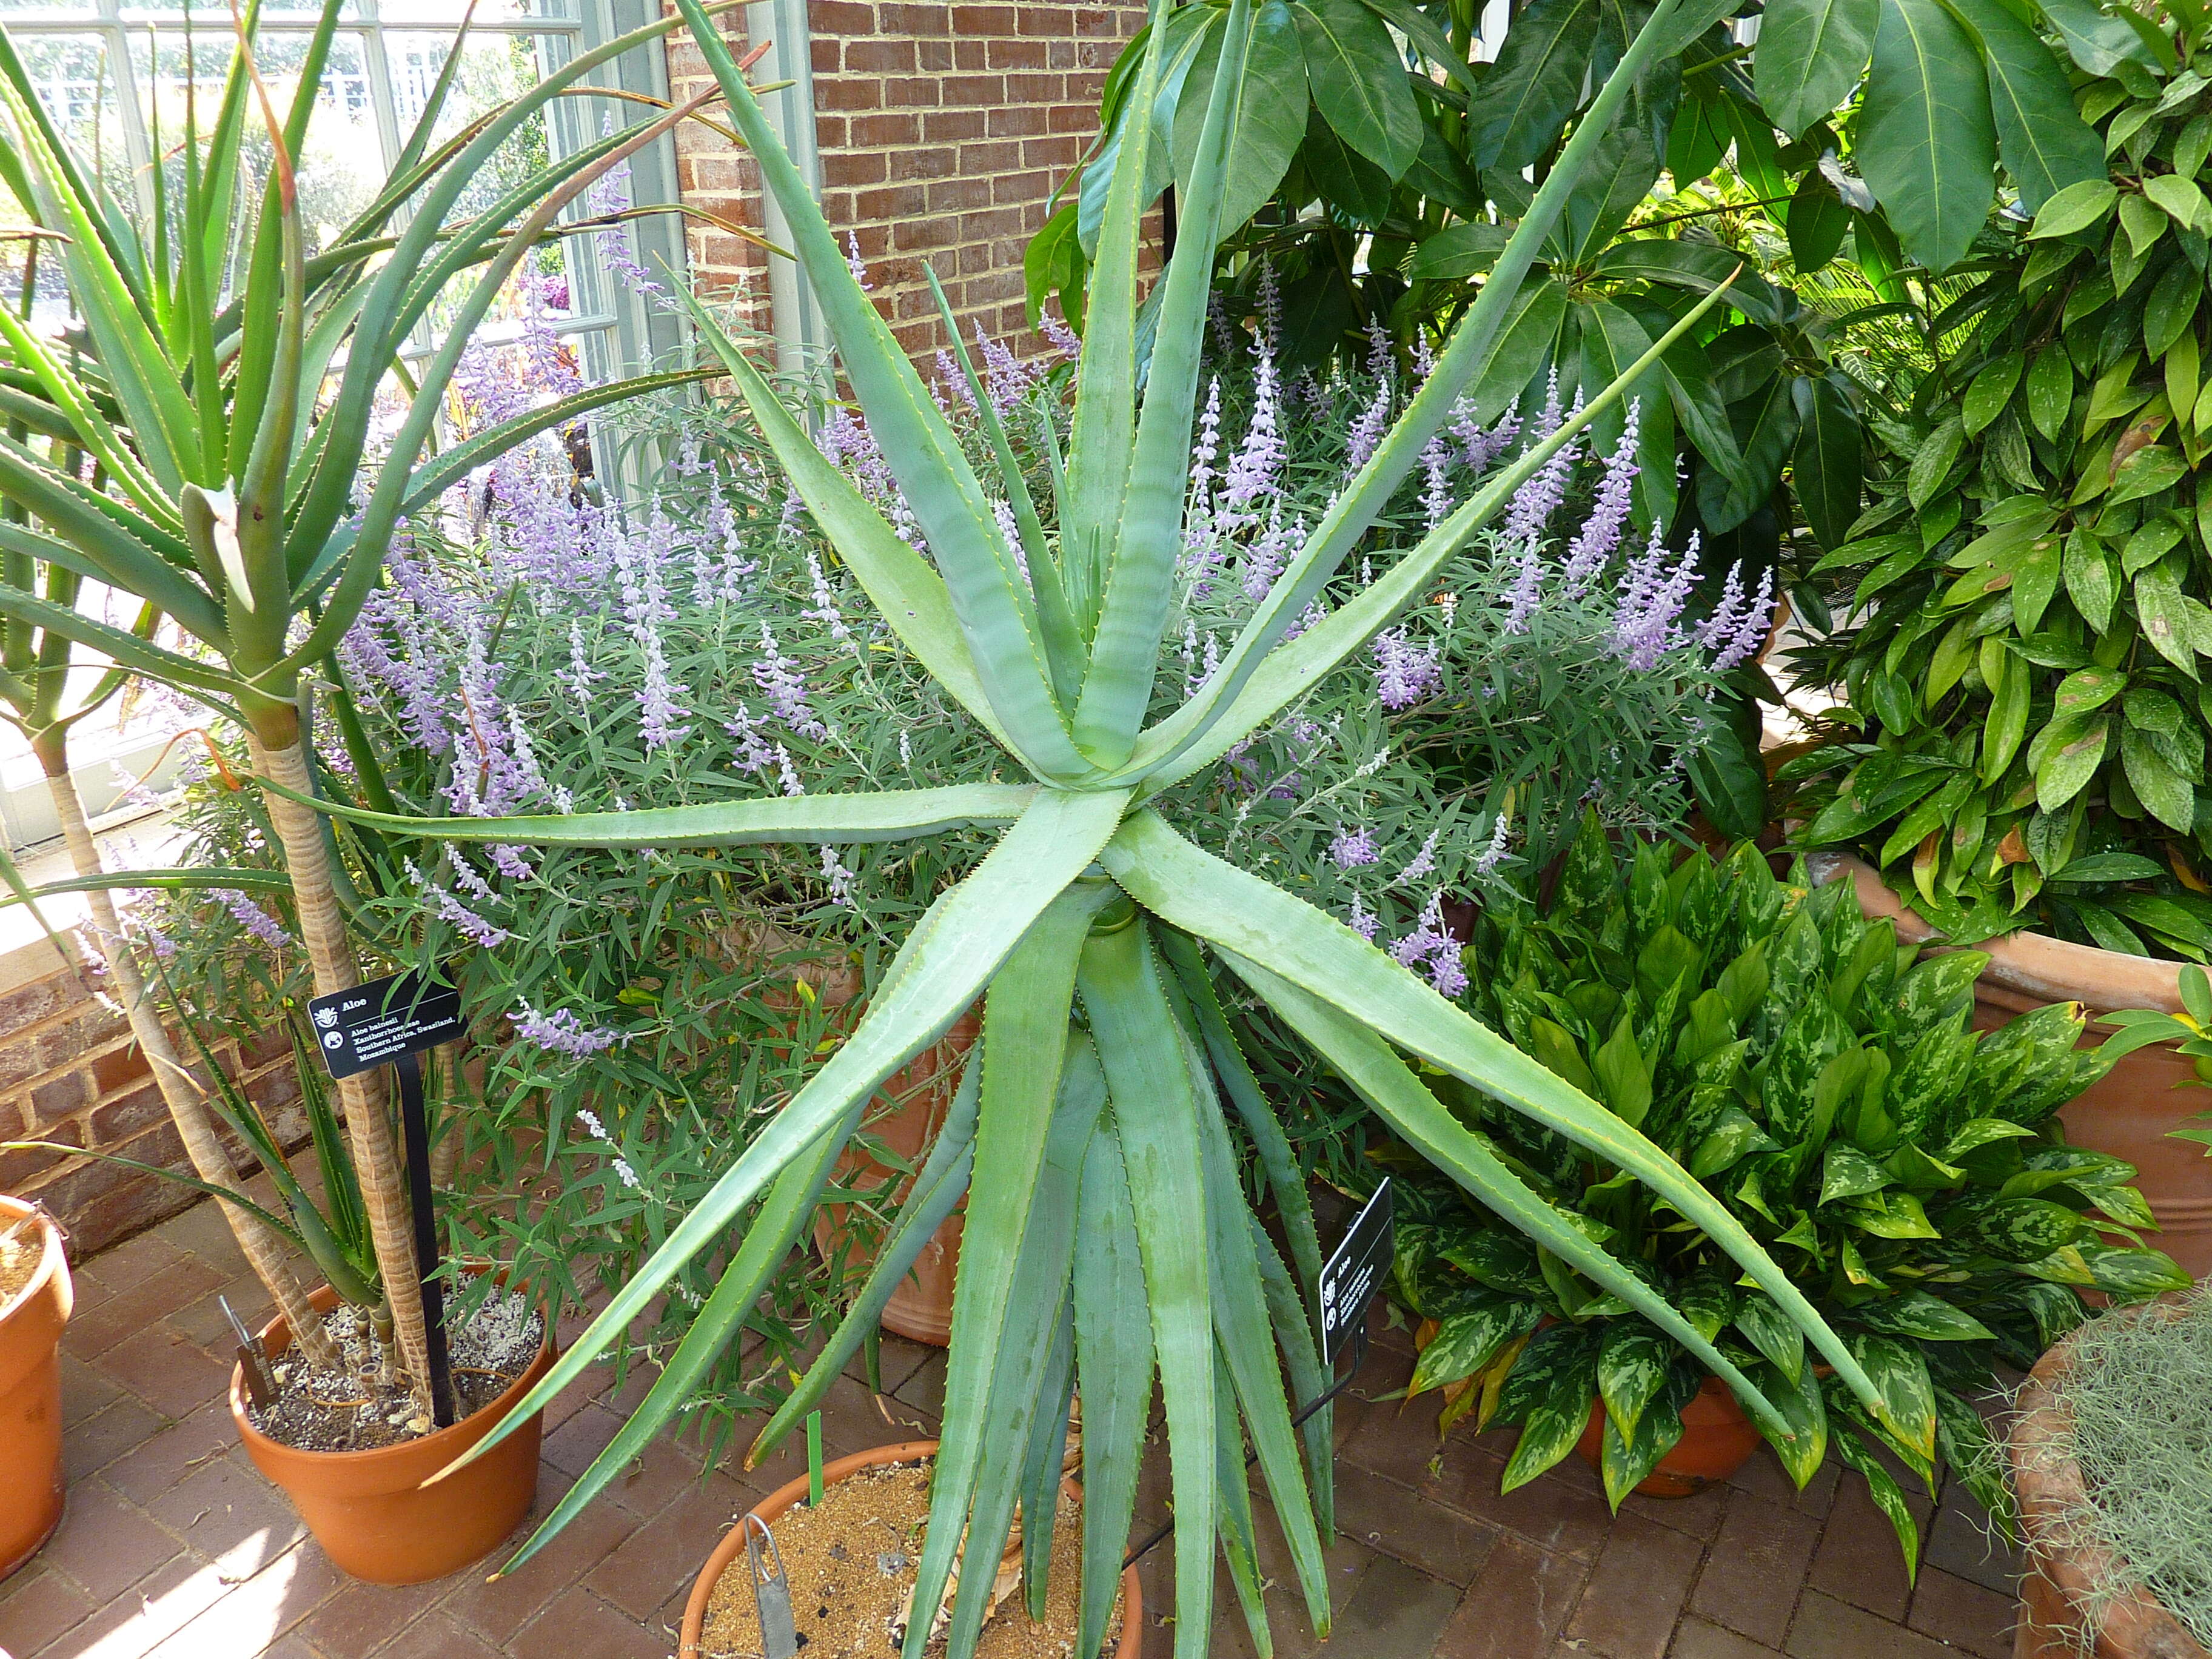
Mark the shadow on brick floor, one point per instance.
(173, 1546)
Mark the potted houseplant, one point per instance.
(722, 1596)
(1793, 1056)
(2107, 1460)
(2021, 742)
(1103, 1198)
(225, 490)
(344, 1435)
(35, 1297)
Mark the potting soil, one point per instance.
(345, 1411)
(19, 1261)
(851, 1560)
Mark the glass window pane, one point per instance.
(77, 81)
(343, 164)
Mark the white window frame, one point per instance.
(613, 328)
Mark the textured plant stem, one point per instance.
(278, 757)
(180, 1089)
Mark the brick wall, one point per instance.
(70, 1073)
(942, 129)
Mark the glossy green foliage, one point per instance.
(2026, 661)
(1830, 1090)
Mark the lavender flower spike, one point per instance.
(1353, 847)
(1599, 536)
(562, 1033)
(1534, 502)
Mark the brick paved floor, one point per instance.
(174, 1547)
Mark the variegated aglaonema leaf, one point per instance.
(1105, 1217)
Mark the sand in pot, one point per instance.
(21, 1247)
(851, 1564)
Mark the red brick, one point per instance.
(1018, 121)
(104, 1545)
(118, 1067)
(924, 93)
(885, 55)
(851, 170)
(841, 17)
(1518, 1606)
(1027, 54)
(1860, 1559)
(1828, 1629)
(59, 1098)
(128, 1114)
(38, 1607)
(970, 55)
(976, 91)
(1697, 1639)
(984, 20)
(166, 1371)
(1751, 1579)
(1964, 1614)
(1635, 1592)
(894, 17)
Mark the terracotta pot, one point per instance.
(794, 1492)
(921, 1309)
(1717, 1440)
(2047, 1482)
(31, 1397)
(2129, 1112)
(369, 1509)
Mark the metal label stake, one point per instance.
(771, 1591)
(394, 1021)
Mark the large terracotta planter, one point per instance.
(921, 1309)
(2048, 1485)
(2129, 1112)
(793, 1492)
(31, 1398)
(369, 1509)
(1717, 1440)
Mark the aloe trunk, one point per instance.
(180, 1090)
(362, 1098)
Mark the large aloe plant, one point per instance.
(1107, 1237)
(231, 488)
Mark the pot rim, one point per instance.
(2030, 963)
(2136, 1620)
(787, 1495)
(322, 1298)
(53, 1264)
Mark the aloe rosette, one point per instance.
(1107, 1240)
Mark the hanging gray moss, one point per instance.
(2140, 1394)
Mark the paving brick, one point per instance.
(122, 1266)
(1696, 1639)
(174, 1453)
(579, 1625)
(85, 1392)
(1699, 1515)
(359, 1616)
(106, 1435)
(249, 1616)
(1554, 1511)
(104, 1544)
(232, 1515)
(1764, 1475)
(128, 1625)
(173, 1374)
(36, 1607)
(1965, 1543)
(436, 1636)
(1860, 1561)
(637, 1577)
(1395, 1614)
(1751, 1579)
(1964, 1614)
(1440, 1542)
(499, 1605)
(104, 1318)
(1635, 1591)
(1519, 1604)
(1828, 1629)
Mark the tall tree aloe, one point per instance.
(226, 402)
(1091, 1134)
